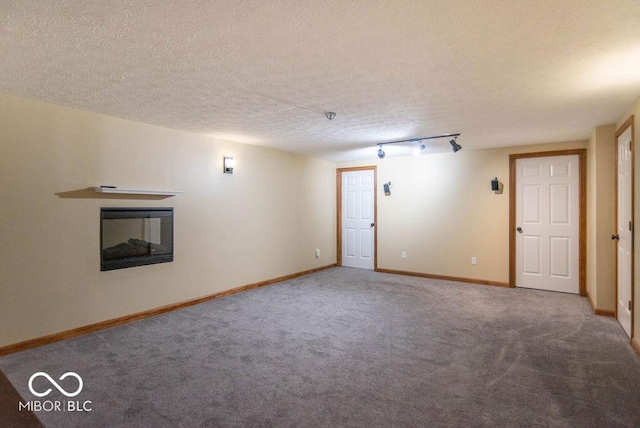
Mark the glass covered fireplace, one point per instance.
(135, 237)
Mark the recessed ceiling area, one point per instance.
(500, 73)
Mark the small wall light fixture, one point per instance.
(496, 186)
(228, 165)
(387, 188)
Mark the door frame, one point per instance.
(339, 172)
(582, 218)
(627, 123)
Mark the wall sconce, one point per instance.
(496, 186)
(228, 165)
(387, 188)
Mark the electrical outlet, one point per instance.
(404, 255)
(317, 253)
(474, 260)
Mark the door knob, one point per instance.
(615, 237)
(372, 224)
(519, 229)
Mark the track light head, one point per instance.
(454, 145)
(419, 149)
(381, 153)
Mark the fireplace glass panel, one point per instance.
(135, 237)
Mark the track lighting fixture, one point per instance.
(330, 115)
(421, 147)
(454, 145)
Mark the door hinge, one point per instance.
(629, 304)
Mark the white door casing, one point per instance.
(358, 218)
(548, 223)
(624, 230)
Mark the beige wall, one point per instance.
(262, 222)
(442, 212)
(635, 111)
(601, 218)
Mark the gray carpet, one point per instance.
(347, 347)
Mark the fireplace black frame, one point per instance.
(136, 212)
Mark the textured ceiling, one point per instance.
(500, 72)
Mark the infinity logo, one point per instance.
(53, 382)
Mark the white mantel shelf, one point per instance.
(121, 191)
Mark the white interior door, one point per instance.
(358, 219)
(624, 232)
(547, 223)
